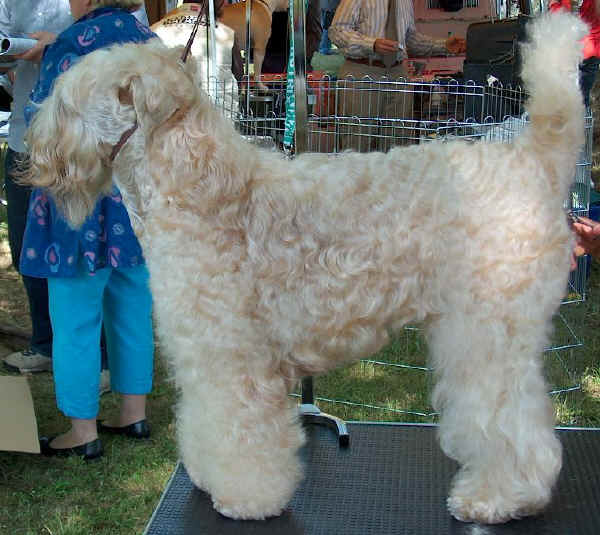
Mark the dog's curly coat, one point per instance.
(265, 270)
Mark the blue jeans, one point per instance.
(588, 69)
(78, 307)
(325, 43)
(17, 197)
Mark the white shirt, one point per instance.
(358, 23)
(17, 18)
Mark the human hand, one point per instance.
(34, 54)
(456, 45)
(385, 46)
(587, 232)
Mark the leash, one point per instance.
(188, 46)
(122, 140)
(186, 51)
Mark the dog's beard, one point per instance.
(134, 211)
(135, 198)
(78, 203)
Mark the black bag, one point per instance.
(5, 99)
(479, 72)
(495, 42)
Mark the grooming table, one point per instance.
(392, 479)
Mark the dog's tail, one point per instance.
(550, 74)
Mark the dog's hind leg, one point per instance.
(259, 57)
(496, 417)
(261, 22)
(239, 437)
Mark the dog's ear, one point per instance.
(156, 96)
(65, 155)
(148, 99)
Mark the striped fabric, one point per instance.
(358, 23)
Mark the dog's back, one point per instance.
(234, 16)
(423, 215)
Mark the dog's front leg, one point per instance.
(239, 438)
(496, 417)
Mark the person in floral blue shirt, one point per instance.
(96, 273)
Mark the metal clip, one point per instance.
(574, 218)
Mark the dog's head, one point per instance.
(72, 139)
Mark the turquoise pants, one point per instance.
(78, 306)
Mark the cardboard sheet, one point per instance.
(18, 425)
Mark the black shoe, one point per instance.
(139, 429)
(89, 450)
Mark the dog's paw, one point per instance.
(469, 510)
(247, 511)
(486, 508)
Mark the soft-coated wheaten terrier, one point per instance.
(265, 270)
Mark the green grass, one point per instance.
(114, 495)
(118, 493)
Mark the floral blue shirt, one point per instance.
(50, 247)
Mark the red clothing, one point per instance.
(588, 13)
(591, 42)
